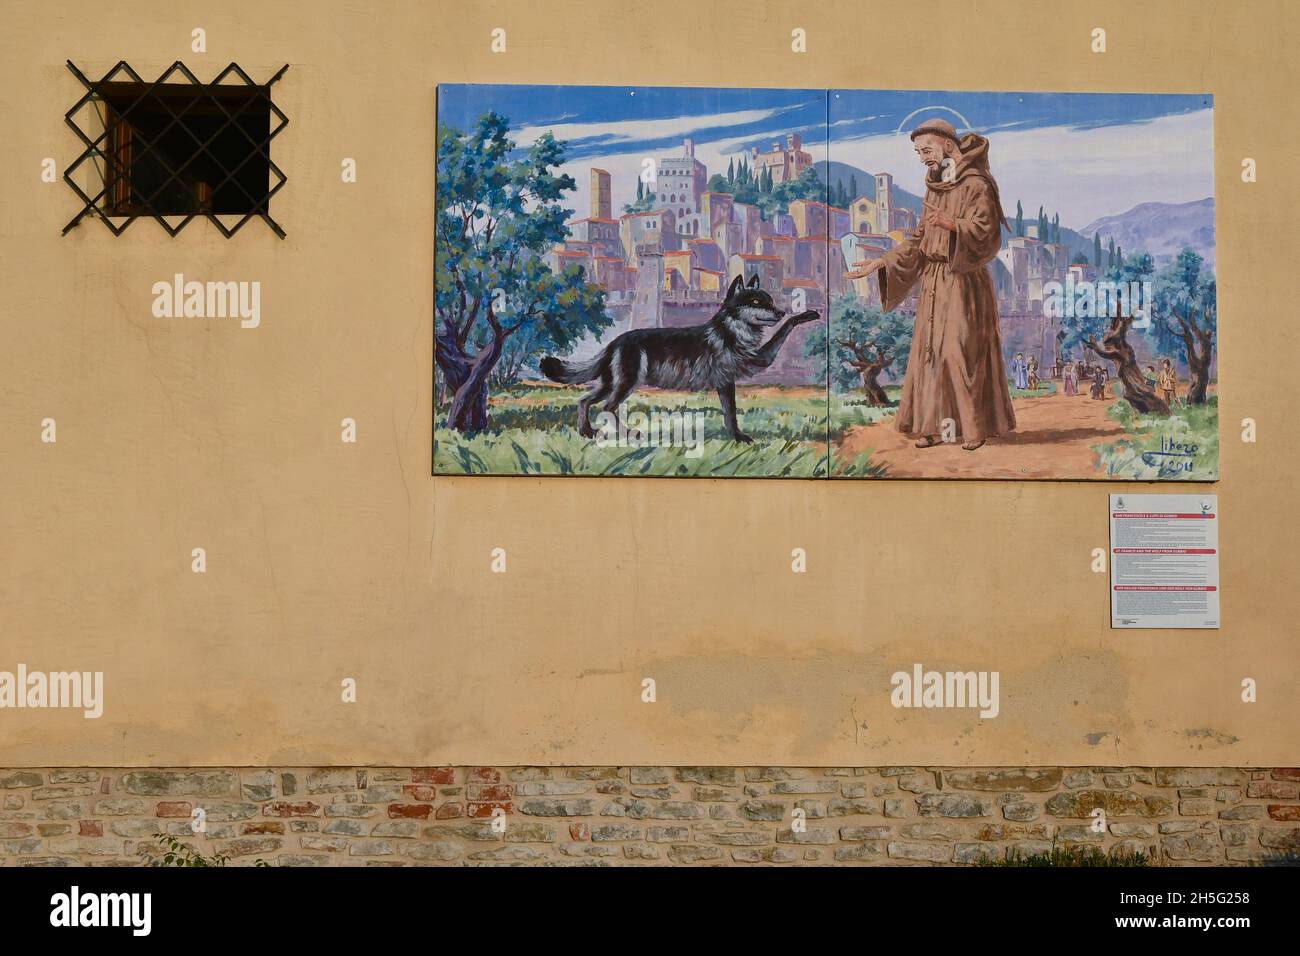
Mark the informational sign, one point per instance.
(1164, 561)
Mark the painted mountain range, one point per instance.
(1162, 229)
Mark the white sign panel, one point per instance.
(1164, 561)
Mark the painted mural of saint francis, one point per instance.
(956, 373)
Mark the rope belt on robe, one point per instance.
(932, 265)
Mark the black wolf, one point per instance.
(697, 357)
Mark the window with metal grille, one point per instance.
(175, 149)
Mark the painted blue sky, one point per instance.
(1084, 155)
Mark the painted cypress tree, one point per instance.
(1020, 219)
(731, 170)
(1096, 250)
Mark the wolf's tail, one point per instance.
(567, 374)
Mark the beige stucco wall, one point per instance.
(328, 560)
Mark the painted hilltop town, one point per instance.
(670, 264)
(1116, 387)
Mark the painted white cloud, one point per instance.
(639, 131)
(855, 119)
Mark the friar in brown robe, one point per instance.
(955, 372)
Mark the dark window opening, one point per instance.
(185, 150)
(176, 149)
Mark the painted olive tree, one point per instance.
(865, 343)
(498, 210)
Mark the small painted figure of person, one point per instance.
(1151, 377)
(1020, 370)
(1071, 380)
(1168, 381)
(1098, 390)
(1032, 373)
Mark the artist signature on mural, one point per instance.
(1174, 457)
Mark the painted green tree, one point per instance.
(1185, 317)
(645, 198)
(1104, 331)
(498, 211)
(776, 199)
(865, 343)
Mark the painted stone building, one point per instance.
(813, 218)
(680, 181)
(601, 233)
(785, 162)
(654, 231)
(602, 197)
(770, 270)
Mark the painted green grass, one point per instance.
(1045, 387)
(1143, 454)
(850, 409)
(534, 433)
(565, 452)
(775, 415)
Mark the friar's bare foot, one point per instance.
(972, 445)
(929, 441)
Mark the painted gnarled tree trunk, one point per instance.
(1198, 340)
(869, 367)
(1114, 347)
(467, 377)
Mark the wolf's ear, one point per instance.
(753, 281)
(736, 284)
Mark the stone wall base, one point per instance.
(681, 816)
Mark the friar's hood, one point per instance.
(972, 160)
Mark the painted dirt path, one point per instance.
(1053, 439)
